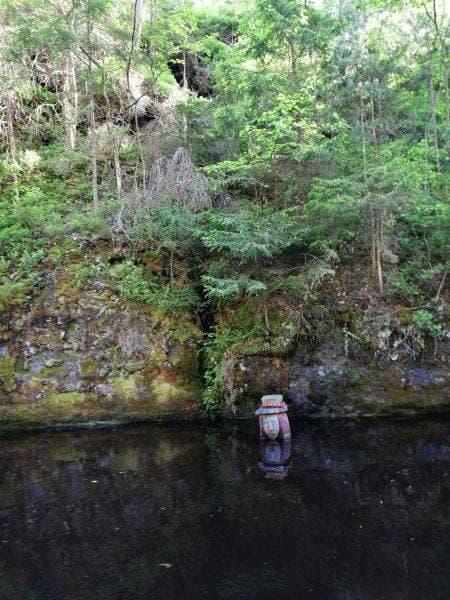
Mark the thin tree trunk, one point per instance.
(435, 98)
(93, 132)
(441, 40)
(12, 138)
(74, 96)
(374, 131)
(379, 234)
(139, 9)
(441, 285)
(94, 154)
(10, 125)
(70, 99)
(118, 170)
(185, 81)
(141, 153)
(293, 53)
(447, 110)
(266, 318)
(373, 251)
(116, 142)
(135, 37)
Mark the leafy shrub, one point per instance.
(13, 293)
(426, 323)
(135, 283)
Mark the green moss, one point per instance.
(127, 387)
(165, 392)
(346, 316)
(65, 283)
(64, 399)
(89, 369)
(355, 377)
(186, 366)
(71, 326)
(183, 330)
(51, 371)
(7, 375)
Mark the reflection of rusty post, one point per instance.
(273, 420)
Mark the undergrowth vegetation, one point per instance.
(281, 166)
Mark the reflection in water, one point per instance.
(275, 458)
(364, 513)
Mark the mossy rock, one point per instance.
(89, 369)
(7, 374)
(63, 400)
(12, 294)
(356, 378)
(126, 387)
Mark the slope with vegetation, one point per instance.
(263, 185)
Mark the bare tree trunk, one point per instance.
(93, 137)
(185, 81)
(373, 251)
(441, 40)
(171, 266)
(447, 110)
(266, 317)
(93, 132)
(441, 285)
(141, 153)
(293, 56)
(139, 6)
(74, 95)
(434, 102)
(135, 37)
(379, 234)
(10, 125)
(116, 142)
(70, 99)
(118, 170)
(12, 137)
(374, 130)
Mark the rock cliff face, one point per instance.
(87, 355)
(324, 381)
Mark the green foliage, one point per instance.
(13, 293)
(426, 323)
(226, 289)
(90, 271)
(215, 349)
(249, 235)
(135, 283)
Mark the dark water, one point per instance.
(361, 512)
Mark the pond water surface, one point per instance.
(352, 510)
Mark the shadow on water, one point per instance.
(348, 510)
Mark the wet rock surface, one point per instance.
(86, 354)
(326, 382)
